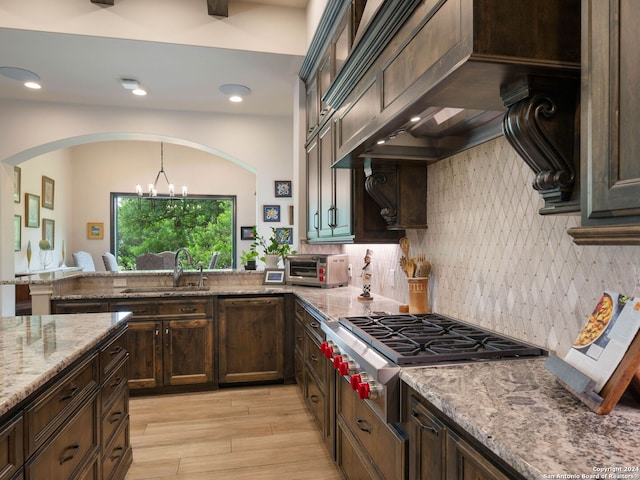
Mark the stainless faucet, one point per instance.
(177, 267)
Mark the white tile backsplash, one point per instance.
(496, 261)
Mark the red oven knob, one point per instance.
(321, 278)
(369, 390)
(337, 360)
(346, 367)
(364, 390)
(327, 348)
(357, 378)
(321, 271)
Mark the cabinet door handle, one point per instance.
(72, 449)
(115, 456)
(115, 417)
(72, 393)
(316, 217)
(313, 358)
(415, 416)
(115, 351)
(157, 332)
(116, 382)
(363, 425)
(188, 310)
(314, 325)
(314, 398)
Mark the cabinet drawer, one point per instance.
(182, 308)
(91, 472)
(51, 409)
(314, 358)
(11, 447)
(314, 326)
(139, 309)
(317, 403)
(383, 444)
(117, 450)
(115, 415)
(67, 450)
(113, 353)
(111, 387)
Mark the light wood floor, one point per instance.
(240, 433)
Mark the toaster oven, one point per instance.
(317, 270)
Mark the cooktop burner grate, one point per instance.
(433, 338)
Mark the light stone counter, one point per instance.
(519, 412)
(34, 349)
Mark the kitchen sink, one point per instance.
(186, 288)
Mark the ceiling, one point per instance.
(80, 69)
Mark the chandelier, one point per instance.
(153, 187)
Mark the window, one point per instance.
(202, 224)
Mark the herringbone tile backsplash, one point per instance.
(496, 261)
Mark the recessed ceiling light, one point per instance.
(133, 85)
(28, 78)
(415, 119)
(380, 142)
(235, 92)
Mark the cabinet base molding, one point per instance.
(610, 235)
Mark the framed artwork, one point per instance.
(17, 179)
(246, 233)
(95, 231)
(273, 277)
(17, 233)
(31, 210)
(48, 186)
(271, 213)
(49, 231)
(283, 188)
(284, 235)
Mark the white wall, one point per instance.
(260, 145)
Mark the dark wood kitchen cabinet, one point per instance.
(439, 449)
(251, 339)
(170, 343)
(366, 446)
(610, 114)
(316, 377)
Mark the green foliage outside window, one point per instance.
(202, 225)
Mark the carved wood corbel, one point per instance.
(401, 192)
(542, 125)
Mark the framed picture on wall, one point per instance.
(49, 231)
(17, 233)
(17, 178)
(95, 231)
(246, 233)
(283, 188)
(48, 186)
(31, 210)
(284, 235)
(271, 213)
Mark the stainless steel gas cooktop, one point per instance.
(420, 339)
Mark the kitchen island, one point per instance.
(64, 396)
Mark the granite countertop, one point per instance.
(518, 410)
(33, 349)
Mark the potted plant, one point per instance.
(248, 259)
(273, 251)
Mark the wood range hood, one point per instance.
(470, 70)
